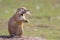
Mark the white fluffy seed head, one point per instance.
(28, 13)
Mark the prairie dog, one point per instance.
(15, 23)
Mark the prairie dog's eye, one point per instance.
(21, 14)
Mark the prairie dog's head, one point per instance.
(22, 11)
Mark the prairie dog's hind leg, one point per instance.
(12, 30)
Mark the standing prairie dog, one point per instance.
(15, 24)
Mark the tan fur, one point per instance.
(15, 26)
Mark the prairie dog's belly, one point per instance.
(15, 28)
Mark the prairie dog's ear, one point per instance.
(20, 10)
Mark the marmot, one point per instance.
(15, 23)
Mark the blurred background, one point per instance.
(44, 22)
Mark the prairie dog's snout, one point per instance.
(23, 18)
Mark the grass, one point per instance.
(38, 8)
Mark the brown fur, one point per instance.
(15, 25)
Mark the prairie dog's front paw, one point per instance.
(26, 21)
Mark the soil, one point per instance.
(22, 38)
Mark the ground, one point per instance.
(23, 38)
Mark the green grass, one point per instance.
(33, 28)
